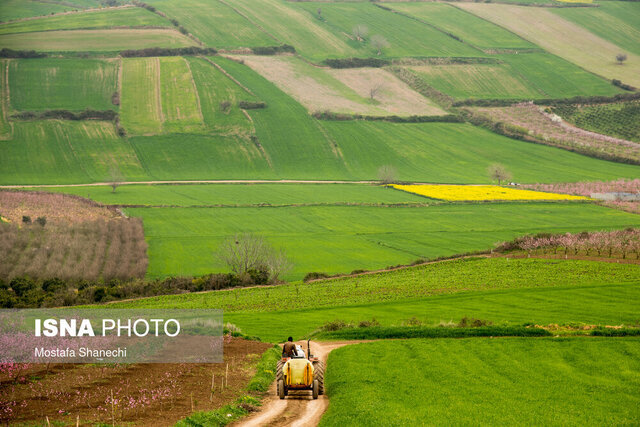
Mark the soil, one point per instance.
(298, 408)
(145, 394)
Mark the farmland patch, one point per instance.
(180, 103)
(481, 192)
(140, 102)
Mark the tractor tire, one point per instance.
(281, 390)
(279, 373)
(315, 389)
(318, 374)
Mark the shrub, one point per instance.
(53, 285)
(21, 285)
(162, 51)
(357, 62)
(251, 105)
(368, 323)
(315, 275)
(26, 219)
(623, 86)
(41, 220)
(273, 50)
(225, 106)
(10, 53)
(467, 322)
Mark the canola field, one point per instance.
(459, 193)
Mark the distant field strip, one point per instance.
(481, 192)
(95, 40)
(5, 127)
(342, 91)
(180, 106)
(124, 17)
(70, 84)
(140, 104)
(19, 9)
(464, 25)
(562, 38)
(214, 23)
(295, 27)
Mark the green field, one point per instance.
(554, 381)
(214, 89)
(215, 23)
(621, 120)
(340, 239)
(5, 127)
(58, 151)
(616, 21)
(108, 18)
(406, 36)
(69, 84)
(19, 9)
(243, 194)
(180, 103)
(95, 40)
(468, 27)
(140, 104)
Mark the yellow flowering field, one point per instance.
(481, 192)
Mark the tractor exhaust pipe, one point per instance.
(309, 349)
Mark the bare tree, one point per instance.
(115, 178)
(359, 32)
(499, 172)
(621, 57)
(373, 91)
(379, 42)
(249, 252)
(387, 174)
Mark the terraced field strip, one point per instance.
(568, 381)
(5, 127)
(214, 90)
(616, 21)
(69, 84)
(180, 104)
(214, 23)
(295, 27)
(561, 37)
(107, 18)
(405, 36)
(140, 102)
(95, 40)
(343, 238)
(19, 9)
(464, 25)
(482, 192)
(66, 152)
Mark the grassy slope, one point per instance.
(71, 84)
(140, 110)
(214, 23)
(570, 381)
(242, 194)
(290, 25)
(406, 36)
(95, 40)
(618, 22)
(18, 9)
(466, 26)
(129, 17)
(214, 88)
(180, 104)
(340, 239)
(65, 152)
(561, 37)
(459, 153)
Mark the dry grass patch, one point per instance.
(561, 37)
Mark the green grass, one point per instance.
(459, 153)
(214, 23)
(406, 36)
(70, 84)
(110, 40)
(140, 106)
(616, 21)
(182, 241)
(242, 194)
(214, 88)
(180, 104)
(289, 24)
(129, 17)
(466, 26)
(554, 381)
(18, 9)
(621, 120)
(64, 152)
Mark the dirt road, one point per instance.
(298, 409)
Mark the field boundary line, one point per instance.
(195, 89)
(223, 71)
(158, 90)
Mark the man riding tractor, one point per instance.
(297, 372)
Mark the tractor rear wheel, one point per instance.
(318, 374)
(281, 392)
(315, 389)
(279, 374)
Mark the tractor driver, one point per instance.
(289, 348)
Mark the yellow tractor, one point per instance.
(300, 373)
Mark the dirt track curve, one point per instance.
(298, 409)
